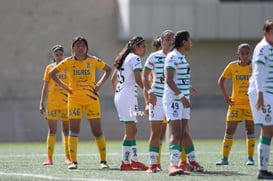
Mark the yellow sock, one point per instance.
(101, 145)
(73, 145)
(183, 157)
(250, 142)
(50, 145)
(227, 144)
(66, 149)
(159, 153)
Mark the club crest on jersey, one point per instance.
(65, 71)
(87, 65)
(250, 70)
(268, 118)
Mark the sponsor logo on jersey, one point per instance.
(87, 65)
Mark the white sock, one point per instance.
(153, 157)
(134, 153)
(126, 152)
(263, 156)
(174, 157)
(191, 156)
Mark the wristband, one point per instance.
(180, 95)
(150, 91)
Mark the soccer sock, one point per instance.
(134, 151)
(263, 152)
(73, 145)
(190, 151)
(126, 151)
(66, 148)
(183, 157)
(153, 153)
(227, 144)
(50, 145)
(175, 151)
(250, 142)
(101, 145)
(159, 152)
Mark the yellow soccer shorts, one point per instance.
(237, 114)
(53, 114)
(92, 111)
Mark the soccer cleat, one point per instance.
(73, 165)
(250, 161)
(48, 162)
(175, 170)
(152, 169)
(67, 161)
(223, 161)
(138, 166)
(194, 166)
(103, 165)
(125, 167)
(158, 168)
(185, 166)
(264, 174)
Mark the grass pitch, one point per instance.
(23, 161)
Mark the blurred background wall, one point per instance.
(29, 28)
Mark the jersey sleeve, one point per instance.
(149, 64)
(171, 63)
(259, 55)
(136, 61)
(46, 75)
(61, 65)
(227, 72)
(99, 63)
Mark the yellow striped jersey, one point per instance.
(240, 81)
(82, 78)
(56, 95)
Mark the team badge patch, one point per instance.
(268, 118)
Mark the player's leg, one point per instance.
(74, 116)
(65, 128)
(250, 141)
(162, 137)
(188, 146)
(51, 138)
(154, 142)
(234, 116)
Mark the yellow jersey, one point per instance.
(56, 95)
(82, 78)
(240, 82)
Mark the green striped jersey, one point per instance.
(262, 67)
(155, 63)
(176, 61)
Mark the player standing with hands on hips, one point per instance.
(261, 96)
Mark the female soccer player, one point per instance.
(261, 96)
(56, 105)
(176, 96)
(155, 64)
(238, 104)
(125, 79)
(83, 94)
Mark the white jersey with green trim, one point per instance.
(126, 78)
(176, 61)
(262, 66)
(155, 63)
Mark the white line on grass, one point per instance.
(110, 154)
(51, 177)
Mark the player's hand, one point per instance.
(229, 101)
(42, 109)
(185, 102)
(152, 99)
(193, 91)
(260, 101)
(147, 109)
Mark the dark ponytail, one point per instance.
(129, 47)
